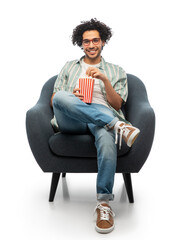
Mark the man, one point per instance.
(103, 117)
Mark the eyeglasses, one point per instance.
(95, 41)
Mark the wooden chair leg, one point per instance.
(54, 184)
(128, 185)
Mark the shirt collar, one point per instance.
(101, 66)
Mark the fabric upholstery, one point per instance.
(72, 145)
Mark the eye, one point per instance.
(96, 40)
(86, 41)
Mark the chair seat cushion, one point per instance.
(72, 145)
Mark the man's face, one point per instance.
(92, 45)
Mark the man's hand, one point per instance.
(95, 73)
(76, 92)
(113, 98)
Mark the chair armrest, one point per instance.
(138, 109)
(39, 130)
(141, 116)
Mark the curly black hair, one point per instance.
(104, 31)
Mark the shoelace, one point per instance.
(120, 133)
(104, 212)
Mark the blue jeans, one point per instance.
(75, 116)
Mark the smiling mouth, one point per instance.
(92, 51)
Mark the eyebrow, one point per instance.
(91, 38)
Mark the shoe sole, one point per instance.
(133, 137)
(106, 230)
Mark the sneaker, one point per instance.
(127, 132)
(105, 221)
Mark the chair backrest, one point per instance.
(136, 88)
(47, 90)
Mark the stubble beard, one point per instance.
(93, 57)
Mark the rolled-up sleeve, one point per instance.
(61, 80)
(120, 86)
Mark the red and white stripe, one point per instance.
(86, 85)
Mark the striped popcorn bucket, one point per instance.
(86, 85)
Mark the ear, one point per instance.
(103, 43)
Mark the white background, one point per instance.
(35, 43)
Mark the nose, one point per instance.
(91, 45)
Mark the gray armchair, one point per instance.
(69, 153)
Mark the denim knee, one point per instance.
(60, 98)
